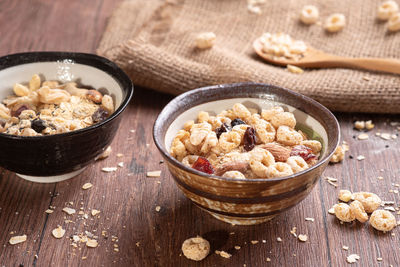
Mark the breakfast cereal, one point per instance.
(309, 14)
(335, 23)
(382, 220)
(48, 107)
(243, 143)
(196, 248)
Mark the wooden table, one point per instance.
(128, 200)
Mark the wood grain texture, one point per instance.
(128, 199)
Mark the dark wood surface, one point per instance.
(128, 200)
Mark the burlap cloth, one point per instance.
(153, 41)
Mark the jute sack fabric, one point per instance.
(153, 41)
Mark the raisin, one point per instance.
(38, 125)
(303, 151)
(223, 129)
(249, 139)
(203, 165)
(16, 113)
(99, 115)
(236, 122)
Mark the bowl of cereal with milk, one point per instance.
(58, 112)
(245, 152)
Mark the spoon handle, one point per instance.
(374, 64)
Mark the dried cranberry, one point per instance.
(203, 165)
(17, 112)
(236, 122)
(38, 125)
(224, 128)
(249, 139)
(303, 151)
(99, 115)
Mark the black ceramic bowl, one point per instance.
(58, 157)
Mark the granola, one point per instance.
(242, 143)
(48, 107)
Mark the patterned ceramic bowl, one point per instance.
(58, 157)
(238, 201)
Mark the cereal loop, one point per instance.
(288, 136)
(228, 141)
(279, 169)
(382, 220)
(297, 163)
(343, 212)
(357, 209)
(370, 201)
(234, 174)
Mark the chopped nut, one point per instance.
(254, 242)
(49, 211)
(17, 239)
(303, 238)
(86, 186)
(92, 243)
(69, 211)
(95, 212)
(359, 125)
(369, 125)
(345, 195)
(352, 258)
(58, 232)
(154, 174)
(294, 69)
(205, 40)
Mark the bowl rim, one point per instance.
(92, 60)
(161, 147)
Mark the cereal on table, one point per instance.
(241, 143)
(48, 107)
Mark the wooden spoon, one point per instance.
(314, 58)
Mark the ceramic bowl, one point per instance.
(249, 201)
(58, 157)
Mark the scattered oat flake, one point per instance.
(268, 259)
(95, 212)
(352, 258)
(132, 131)
(120, 164)
(389, 208)
(379, 259)
(223, 254)
(49, 211)
(363, 136)
(279, 239)
(237, 247)
(58, 232)
(158, 208)
(345, 248)
(17, 239)
(303, 238)
(380, 178)
(120, 155)
(86, 186)
(109, 169)
(91, 243)
(154, 174)
(138, 244)
(331, 211)
(366, 78)
(385, 136)
(254, 242)
(309, 219)
(360, 157)
(69, 211)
